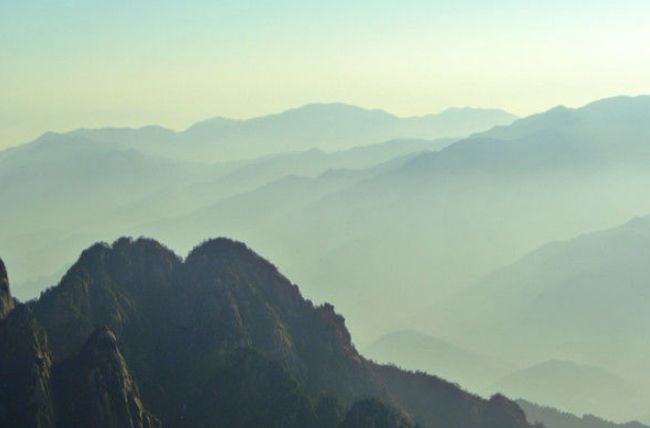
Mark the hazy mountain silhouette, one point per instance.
(582, 299)
(575, 387)
(453, 215)
(220, 337)
(328, 127)
(553, 418)
(417, 351)
(593, 288)
(60, 190)
(114, 189)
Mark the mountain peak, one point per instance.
(217, 253)
(220, 247)
(336, 107)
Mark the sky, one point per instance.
(67, 64)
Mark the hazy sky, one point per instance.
(66, 63)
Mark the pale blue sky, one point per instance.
(67, 64)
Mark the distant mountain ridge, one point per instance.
(414, 350)
(553, 418)
(115, 188)
(575, 387)
(583, 299)
(329, 127)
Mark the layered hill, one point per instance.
(553, 418)
(581, 300)
(115, 187)
(578, 388)
(418, 351)
(443, 220)
(329, 127)
(593, 287)
(220, 338)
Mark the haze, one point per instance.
(70, 64)
(310, 214)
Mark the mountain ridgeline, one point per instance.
(329, 126)
(557, 419)
(134, 336)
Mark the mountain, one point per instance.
(94, 388)
(249, 175)
(577, 388)
(608, 124)
(583, 300)
(61, 190)
(553, 418)
(417, 351)
(328, 127)
(220, 337)
(594, 286)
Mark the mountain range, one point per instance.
(120, 178)
(116, 189)
(557, 419)
(504, 245)
(330, 127)
(444, 219)
(583, 300)
(415, 350)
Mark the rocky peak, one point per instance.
(104, 390)
(6, 301)
(220, 253)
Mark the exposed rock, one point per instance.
(370, 413)
(96, 389)
(7, 302)
(25, 372)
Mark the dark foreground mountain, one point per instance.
(553, 418)
(220, 339)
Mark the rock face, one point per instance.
(92, 389)
(370, 413)
(25, 372)
(6, 301)
(221, 339)
(95, 389)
